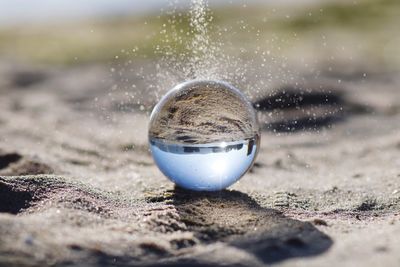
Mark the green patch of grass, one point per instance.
(362, 15)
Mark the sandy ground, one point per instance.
(78, 186)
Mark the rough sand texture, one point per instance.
(204, 112)
(326, 197)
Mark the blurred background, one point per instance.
(93, 70)
(316, 31)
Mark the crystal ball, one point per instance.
(204, 135)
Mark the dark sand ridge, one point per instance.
(204, 112)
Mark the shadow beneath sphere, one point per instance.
(239, 221)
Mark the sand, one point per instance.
(78, 186)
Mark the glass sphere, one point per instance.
(204, 135)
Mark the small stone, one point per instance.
(319, 222)
(29, 240)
